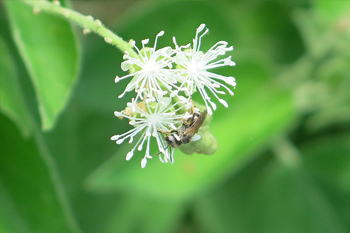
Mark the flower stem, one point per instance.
(286, 152)
(86, 22)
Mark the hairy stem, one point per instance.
(86, 22)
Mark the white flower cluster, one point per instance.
(164, 81)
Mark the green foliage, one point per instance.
(283, 158)
(49, 51)
(30, 185)
(11, 99)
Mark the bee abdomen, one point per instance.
(186, 139)
(172, 141)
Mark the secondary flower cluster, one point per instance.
(164, 80)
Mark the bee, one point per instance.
(186, 131)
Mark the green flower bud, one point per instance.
(207, 144)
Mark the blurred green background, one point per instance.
(283, 158)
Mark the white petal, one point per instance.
(143, 163)
(115, 137)
(129, 155)
(231, 81)
(172, 126)
(160, 158)
(215, 85)
(201, 27)
(145, 41)
(223, 102)
(210, 112)
(164, 102)
(177, 137)
(161, 33)
(232, 63)
(212, 104)
(126, 65)
(196, 137)
(117, 114)
(121, 95)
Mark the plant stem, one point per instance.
(286, 152)
(86, 22)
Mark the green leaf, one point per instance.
(49, 50)
(269, 197)
(151, 215)
(9, 217)
(11, 99)
(34, 195)
(328, 160)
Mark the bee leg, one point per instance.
(163, 131)
(162, 152)
(192, 108)
(166, 131)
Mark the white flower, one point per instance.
(194, 66)
(148, 117)
(151, 71)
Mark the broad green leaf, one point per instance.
(49, 50)
(310, 198)
(9, 217)
(268, 198)
(33, 195)
(328, 160)
(151, 215)
(11, 99)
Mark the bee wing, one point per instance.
(196, 137)
(194, 128)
